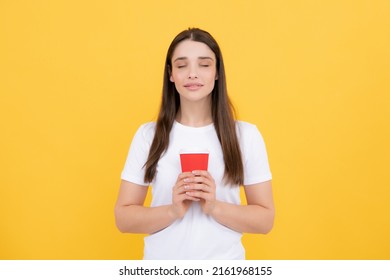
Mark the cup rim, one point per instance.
(194, 151)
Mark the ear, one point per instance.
(170, 74)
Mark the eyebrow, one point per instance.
(200, 57)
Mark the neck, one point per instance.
(195, 114)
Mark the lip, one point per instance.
(193, 86)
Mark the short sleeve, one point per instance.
(255, 157)
(134, 170)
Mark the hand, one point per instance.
(201, 186)
(181, 201)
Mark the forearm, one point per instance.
(140, 219)
(244, 218)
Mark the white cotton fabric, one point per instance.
(196, 235)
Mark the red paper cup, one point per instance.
(194, 161)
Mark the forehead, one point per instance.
(192, 49)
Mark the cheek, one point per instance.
(212, 76)
(176, 76)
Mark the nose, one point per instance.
(193, 73)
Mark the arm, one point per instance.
(255, 217)
(132, 216)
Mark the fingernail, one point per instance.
(186, 187)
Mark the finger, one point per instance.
(201, 180)
(204, 184)
(203, 173)
(185, 175)
(180, 189)
(198, 195)
(189, 197)
(198, 187)
(183, 178)
(183, 197)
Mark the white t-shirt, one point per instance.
(196, 235)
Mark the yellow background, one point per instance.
(77, 78)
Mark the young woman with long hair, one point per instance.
(198, 214)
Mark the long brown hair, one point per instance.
(222, 112)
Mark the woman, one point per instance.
(195, 215)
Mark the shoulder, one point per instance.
(248, 134)
(246, 129)
(148, 127)
(146, 131)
